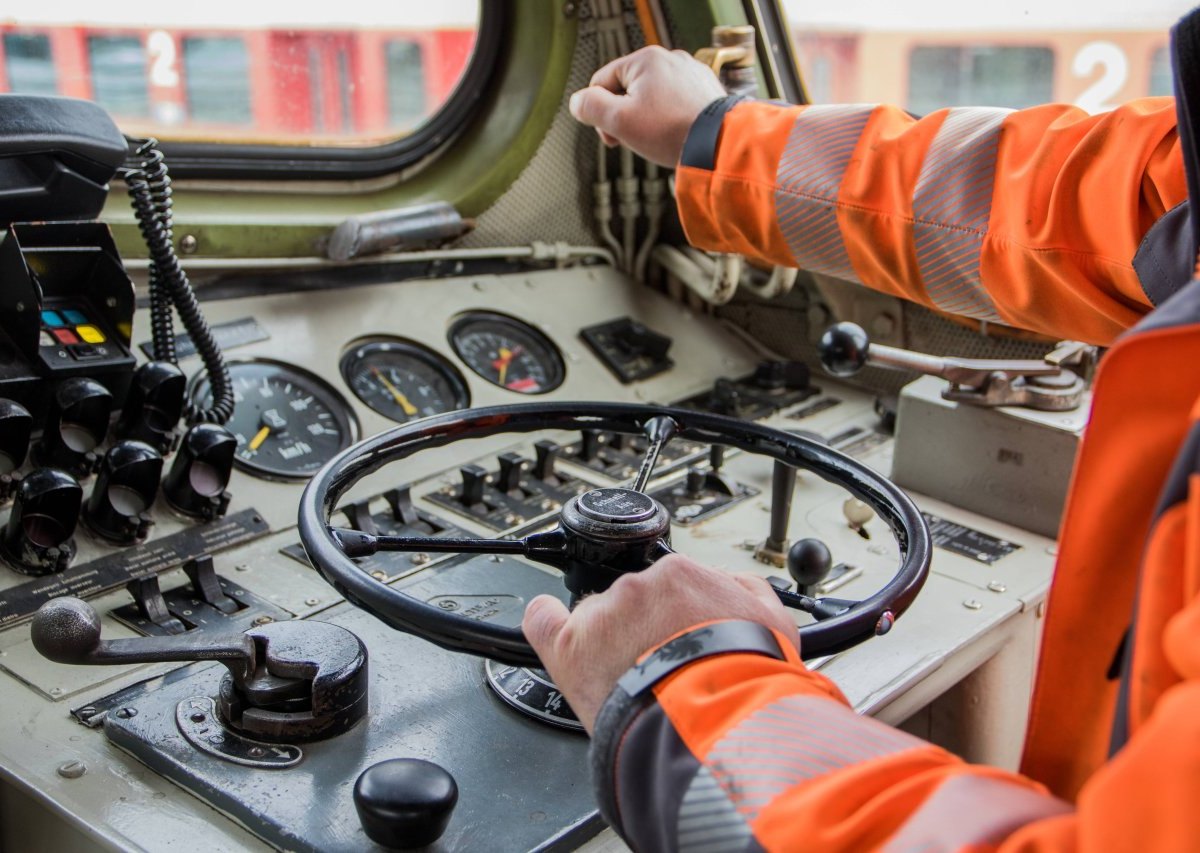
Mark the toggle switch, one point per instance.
(195, 485)
(154, 406)
(38, 537)
(511, 471)
(474, 479)
(75, 426)
(207, 586)
(119, 507)
(545, 462)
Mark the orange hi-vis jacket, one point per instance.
(1033, 219)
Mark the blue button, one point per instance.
(51, 319)
(75, 317)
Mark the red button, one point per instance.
(65, 336)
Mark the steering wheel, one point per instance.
(601, 533)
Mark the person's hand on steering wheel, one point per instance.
(588, 649)
(648, 101)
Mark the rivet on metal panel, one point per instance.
(188, 244)
(312, 602)
(996, 586)
(72, 769)
(973, 604)
(262, 620)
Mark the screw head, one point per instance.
(188, 244)
(997, 586)
(972, 604)
(127, 713)
(72, 769)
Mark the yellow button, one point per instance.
(90, 334)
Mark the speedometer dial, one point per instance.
(288, 423)
(403, 381)
(507, 352)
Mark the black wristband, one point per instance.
(700, 147)
(719, 638)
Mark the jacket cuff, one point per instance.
(700, 147)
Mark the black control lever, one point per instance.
(196, 483)
(288, 682)
(1046, 385)
(75, 426)
(118, 508)
(154, 406)
(38, 538)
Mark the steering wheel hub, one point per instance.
(616, 506)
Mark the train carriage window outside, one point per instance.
(927, 54)
(119, 82)
(261, 76)
(28, 64)
(979, 75)
(1161, 80)
(217, 80)
(406, 83)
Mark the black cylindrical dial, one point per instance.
(154, 405)
(119, 506)
(75, 426)
(38, 537)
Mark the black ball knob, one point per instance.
(405, 802)
(65, 630)
(808, 562)
(843, 349)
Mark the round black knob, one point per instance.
(65, 630)
(37, 539)
(154, 405)
(75, 426)
(405, 802)
(843, 349)
(195, 485)
(808, 562)
(124, 492)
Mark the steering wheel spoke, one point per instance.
(658, 431)
(547, 548)
(820, 608)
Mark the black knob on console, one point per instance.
(405, 802)
(124, 492)
(37, 539)
(843, 349)
(75, 426)
(195, 485)
(16, 426)
(808, 562)
(154, 405)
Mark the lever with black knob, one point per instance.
(38, 538)
(1043, 384)
(809, 562)
(287, 682)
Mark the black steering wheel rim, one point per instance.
(872, 615)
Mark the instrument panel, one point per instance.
(333, 365)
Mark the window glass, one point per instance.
(928, 54)
(119, 75)
(28, 65)
(272, 72)
(217, 80)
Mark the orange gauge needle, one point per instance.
(501, 364)
(259, 438)
(401, 400)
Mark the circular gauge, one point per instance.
(507, 352)
(403, 381)
(288, 423)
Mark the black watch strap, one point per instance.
(719, 638)
(700, 147)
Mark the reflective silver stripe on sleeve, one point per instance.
(810, 173)
(968, 810)
(951, 207)
(708, 821)
(791, 740)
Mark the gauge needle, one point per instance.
(408, 407)
(259, 438)
(501, 364)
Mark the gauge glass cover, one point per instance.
(403, 381)
(507, 352)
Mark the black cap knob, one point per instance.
(37, 539)
(16, 426)
(195, 485)
(808, 562)
(843, 349)
(75, 426)
(124, 492)
(154, 405)
(405, 802)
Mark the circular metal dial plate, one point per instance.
(403, 381)
(507, 352)
(288, 423)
